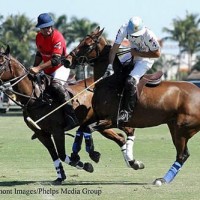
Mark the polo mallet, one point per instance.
(35, 123)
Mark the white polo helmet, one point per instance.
(135, 26)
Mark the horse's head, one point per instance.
(89, 48)
(5, 69)
(11, 70)
(9, 67)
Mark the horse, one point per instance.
(174, 103)
(35, 103)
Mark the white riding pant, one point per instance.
(62, 74)
(141, 66)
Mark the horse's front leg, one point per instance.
(127, 150)
(59, 139)
(48, 143)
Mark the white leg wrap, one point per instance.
(67, 159)
(123, 149)
(56, 164)
(129, 148)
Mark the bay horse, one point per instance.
(35, 105)
(175, 103)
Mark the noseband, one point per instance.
(86, 49)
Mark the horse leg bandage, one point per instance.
(129, 147)
(77, 142)
(89, 145)
(173, 171)
(57, 166)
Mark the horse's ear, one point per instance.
(7, 51)
(100, 32)
(96, 30)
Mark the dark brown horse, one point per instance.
(35, 104)
(171, 102)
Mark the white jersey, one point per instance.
(146, 42)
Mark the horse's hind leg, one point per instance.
(76, 147)
(180, 137)
(127, 150)
(86, 132)
(48, 143)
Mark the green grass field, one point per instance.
(27, 170)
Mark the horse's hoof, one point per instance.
(78, 165)
(135, 164)
(88, 167)
(95, 156)
(58, 181)
(74, 159)
(34, 136)
(159, 181)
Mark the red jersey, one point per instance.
(47, 46)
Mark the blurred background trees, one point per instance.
(19, 32)
(187, 33)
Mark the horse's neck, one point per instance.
(22, 85)
(101, 63)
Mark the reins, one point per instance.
(5, 89)
(124, 51)
(14, 81)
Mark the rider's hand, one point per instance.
(109, 71)
(67, 61)
(34, 70)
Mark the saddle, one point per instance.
(40, 83)
(149, 80)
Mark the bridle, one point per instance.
(83, 50)
(86, 49)
(5, 65)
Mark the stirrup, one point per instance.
(124, 116)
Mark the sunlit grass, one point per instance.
(27, 167)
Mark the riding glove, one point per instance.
(109, 71)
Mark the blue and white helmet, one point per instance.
(135, 26)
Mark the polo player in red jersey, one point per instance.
(51, 45)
